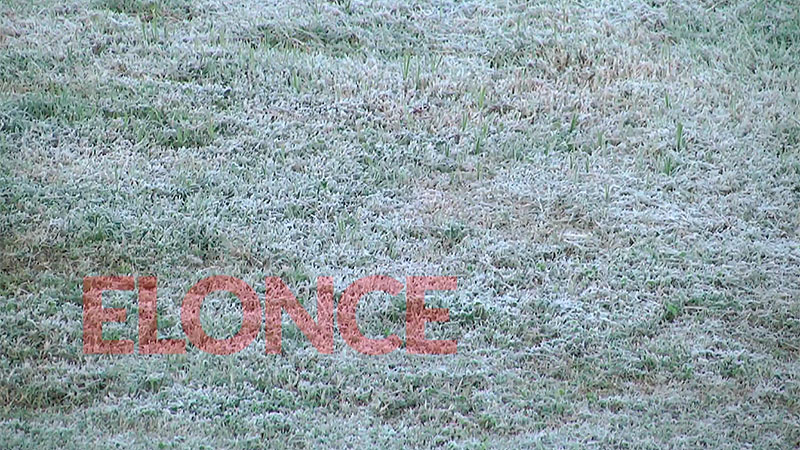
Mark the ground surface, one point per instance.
(616, 184)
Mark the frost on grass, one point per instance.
(616, 186)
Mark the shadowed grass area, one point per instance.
(139, 124)
(149, 10)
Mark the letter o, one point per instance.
(251, 315)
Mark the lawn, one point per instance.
(615, 185)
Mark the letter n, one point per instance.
(279, 297)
